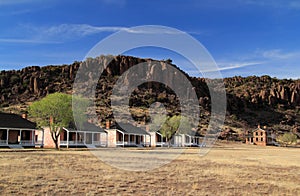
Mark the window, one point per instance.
(256, 133)
(261, 139)
(261, 133)
(256, 139)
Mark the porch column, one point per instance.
(20, 142)
(84, 137)
(7, 132)
(106, 139)
(75, 137)
(93, 138)
(145, 140)
(33, 137)
(123, 139)
(100, 139)
(67, 139)
(142, 139)
(129, 138)
(182, 141)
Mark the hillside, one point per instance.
(269, 101)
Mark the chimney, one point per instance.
(147, 128)
(258, 126)
(24, 115)
(107, 125)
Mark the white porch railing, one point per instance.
(27, 142)
(161, 144)
(145, 143)
(130, 143)
(63, 142)
(99, 143)
(72, 143)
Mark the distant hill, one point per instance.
(252, 100)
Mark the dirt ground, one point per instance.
(228, 169)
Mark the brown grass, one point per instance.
(228, 169)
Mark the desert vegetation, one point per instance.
(228, 169)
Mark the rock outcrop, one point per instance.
(250, 100)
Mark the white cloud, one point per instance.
(86, 29)
(65, 32)
(275, 54)
(221, 67)
(294, 4)
(274, 62)
(236, 65)
(72, 30)
(291, 4)
(26, 41)
(15, 2)
(19, 12)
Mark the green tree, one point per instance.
(58, 108)
(287, 139)
(173, 125)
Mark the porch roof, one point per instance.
(15, 121)
(130, 129)
(87, 127)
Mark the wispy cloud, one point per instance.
(222, 66)
(15, 2)
(236, 65)
(75, 30)
(82, 30)
(294, 4)
(291, 4)
(26, 41)
(276, 54)
(66, 32)
(274, 62)
(18, 12)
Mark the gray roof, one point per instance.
(8, 120)
(130, 129)
(87, 127)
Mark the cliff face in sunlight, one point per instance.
(251, 100)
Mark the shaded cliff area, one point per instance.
(253, 100)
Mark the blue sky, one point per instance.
(245, 37)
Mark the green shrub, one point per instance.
(287, 139)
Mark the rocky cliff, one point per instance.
(250, 101)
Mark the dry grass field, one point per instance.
(228, 169)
